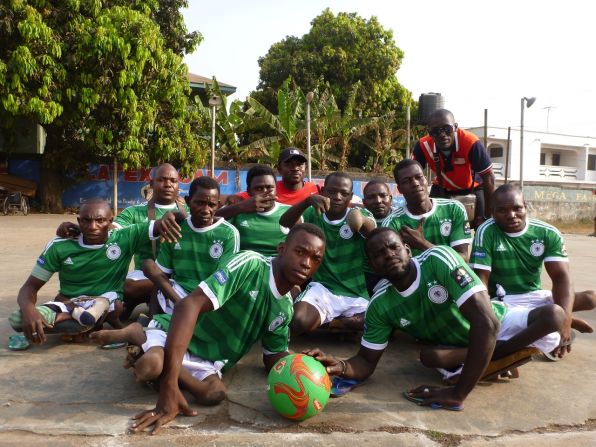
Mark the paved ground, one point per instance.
(79, 395)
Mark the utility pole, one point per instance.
(548, 108)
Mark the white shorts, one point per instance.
(166, 305)
(516, 318)
(199, 368)
(111, 296)
(331, 306)
(136, 275)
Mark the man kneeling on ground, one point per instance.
(438, 299)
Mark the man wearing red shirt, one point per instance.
(465, 166)
(292, 188)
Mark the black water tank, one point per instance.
(427, 104)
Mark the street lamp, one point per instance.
(309, 97)
(214, 103)
(528, 103)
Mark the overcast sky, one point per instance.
(477, 54)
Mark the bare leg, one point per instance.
(133, 334)
(135, 293)
(306, 319)
(210, 391)
(150, 365)
(446, 358)
(585, 300)
(355, 322)
(113, 317)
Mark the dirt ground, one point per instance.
(78, 395)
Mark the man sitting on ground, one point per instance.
(338, 288)
(508, 254)
(206, 241)
(257, 219)
(438, 299)
(164, 184)
(425, 222)
(210, 330)
(91, 271)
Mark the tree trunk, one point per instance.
(51, 177)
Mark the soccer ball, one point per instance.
(298, 387)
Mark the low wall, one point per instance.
(550, 203)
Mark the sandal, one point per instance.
(341, 387)
(18, 342)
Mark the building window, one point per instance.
(542, 158)
(556, 160)
(592, 162)
(496, 151)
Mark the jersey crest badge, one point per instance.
(537, 248)
(462, 278)
(221, 277)
(113, 252)
(216, 250)
(445, 228)
(437, 294)
(277, 322)
(345, 231)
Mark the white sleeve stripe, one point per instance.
(374, 346)
(207, 290)
(41, 273)
(485, 170)
(460, 242)
(164, 269)
(462, 299)
(481, 267)
(117, 225)
(556, 259)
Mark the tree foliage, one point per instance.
(341, 50)
(102, 80)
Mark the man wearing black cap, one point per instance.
(292, 188)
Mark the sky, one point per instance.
(478, 54)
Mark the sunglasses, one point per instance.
(447, 129)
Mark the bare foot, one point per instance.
(133, 334)
(581, 326)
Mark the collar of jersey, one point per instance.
(271, 211)
(422, 216)
(410, 290)
(216, 222)
(519, 233)
(93, 247)
(170, 206)
(338, 221)
(272, 284)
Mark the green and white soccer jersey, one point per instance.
(515, 259)
(342, 269)
(198, 253)
(380, 221)
(138, 214)
(261, 232)
(92, 269)
(429, 308)
(445, 224)
(247, 308)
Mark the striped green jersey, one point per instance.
(342, 269)
(515, 259)
(445, 224)
(247, 308)
(137, 214)
(261, 232)
(92, 269)
(198, 253)
(429, 308)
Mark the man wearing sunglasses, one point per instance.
(460, 162)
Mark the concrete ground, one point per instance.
(78, 394)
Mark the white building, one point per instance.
(547, 157)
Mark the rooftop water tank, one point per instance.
(427, 104)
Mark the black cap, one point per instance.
(290, 152)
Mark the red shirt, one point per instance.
(288, 196)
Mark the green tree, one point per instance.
(101, 79)
(342, 50)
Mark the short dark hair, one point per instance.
(507, 187)
(339, 174)
(258, 171)
(375, 181)
(377, 232)
(309, 228)
(405, 163)
(95, 201)
(440, 113)
(203, 182)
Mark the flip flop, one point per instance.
(553, 358)
(114, 345)
(341, 387)
(434, 405)
(18, 342)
